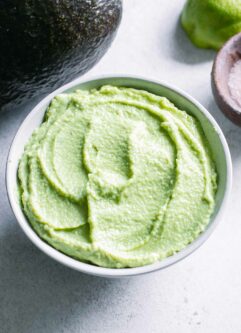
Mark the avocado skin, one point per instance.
(45, 43)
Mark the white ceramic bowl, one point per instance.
(183, 101)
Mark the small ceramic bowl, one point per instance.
(183, 101)
(226, 59)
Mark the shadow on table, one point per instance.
(40, 295)
(10, 118)
(184, 51)
(231, 131)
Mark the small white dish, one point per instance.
(183, 101)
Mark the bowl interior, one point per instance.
(213, 133)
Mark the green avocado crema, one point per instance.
(210, 23)
(117, 177)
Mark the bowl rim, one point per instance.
(97, 270)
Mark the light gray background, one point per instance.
(201, 293)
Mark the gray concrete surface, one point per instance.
(201, 293)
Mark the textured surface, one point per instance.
(106, 177)
(47, 43)
(200, 294)
(210, 23)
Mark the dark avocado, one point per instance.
(45, 43)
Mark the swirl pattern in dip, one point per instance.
(117, 177)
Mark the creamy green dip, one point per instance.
(210, 23)
(117, 177)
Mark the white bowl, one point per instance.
(183, 101)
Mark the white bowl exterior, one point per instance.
(183, 101)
